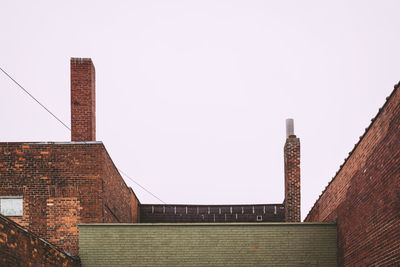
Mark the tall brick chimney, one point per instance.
(83, 100)
(292, 174)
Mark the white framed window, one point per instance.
(11, 205)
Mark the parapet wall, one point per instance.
(211, 213)
(364, 196)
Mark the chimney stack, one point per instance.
(292, 174)
(83, 100)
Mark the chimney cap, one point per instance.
(289, 128)
(81, 60)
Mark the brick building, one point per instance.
(50, 187)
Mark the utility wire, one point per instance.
(37, 101)
(66, 126)
(140, 185)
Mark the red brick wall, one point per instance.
(63, 216)
(364, 196)
(292, 179)
(18, 247)
(118, 203)
(62, 185)
(83, 100)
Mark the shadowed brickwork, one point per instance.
(211, 213)
(18, 247)
(364, 196)
(63, 184)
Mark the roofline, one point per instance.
(55, 143)
(211, 205)
(209, 224)
(396, 87)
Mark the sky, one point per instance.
(192, 96)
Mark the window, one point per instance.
(11, 205)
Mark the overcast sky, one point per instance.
(192, 96)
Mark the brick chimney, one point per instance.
(83, 100)
(292, 174)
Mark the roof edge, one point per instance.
(55, 143)
(209, 224)
(396, 87)
(211, 205)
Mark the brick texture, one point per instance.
(63, 215)
(211, 213)
(19, 247)
(292, 179)
(83, 100)
(120, 203)
(63, 184)
(216, 244)
(135, 207)
(364, 196)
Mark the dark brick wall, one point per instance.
(292, 179)
(63, 184)
(364, 196)
(18, 247)
(83, 100)
(211, 213)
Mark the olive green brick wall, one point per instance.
(228, 244)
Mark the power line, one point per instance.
(140, 185)
(37, 101)
(66, 126)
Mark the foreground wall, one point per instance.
(18, 247)
(364, 196)
(215, 244)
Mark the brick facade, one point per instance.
(63, 184)
(364, 196)
(18, 247)
(292, 179)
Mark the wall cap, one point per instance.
(208, 224)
